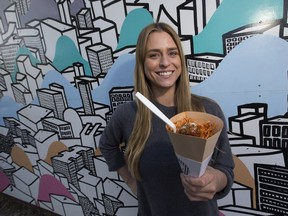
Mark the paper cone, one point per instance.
(193, 152)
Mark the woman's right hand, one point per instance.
(128, 179)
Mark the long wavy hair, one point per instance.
(183, 99)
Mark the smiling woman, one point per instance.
(149, 165)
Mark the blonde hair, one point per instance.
(142, 124)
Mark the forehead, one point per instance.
(157, 40)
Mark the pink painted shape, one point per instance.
(4, 181)
(49, 185)
(221, 214)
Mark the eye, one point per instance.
(153, 55)
(173, 53)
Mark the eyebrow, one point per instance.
(158, 50)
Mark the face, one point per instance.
(162, 61)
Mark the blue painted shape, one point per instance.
(120, 75)
(8, 107)
(254, 71)
(72, 93)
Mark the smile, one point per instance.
(165, 73)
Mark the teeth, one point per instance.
(166, 73)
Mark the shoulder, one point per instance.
(125, 110)
(128, 106)
(123, 114)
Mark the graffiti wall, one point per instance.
(66, 65)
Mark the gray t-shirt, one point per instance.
(160, 192)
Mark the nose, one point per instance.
(164, 61)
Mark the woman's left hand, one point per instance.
(205, 187)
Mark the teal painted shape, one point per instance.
(134, 22)
(232, 14)
(66, 54)
(23, 51)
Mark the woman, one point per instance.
(149, 166)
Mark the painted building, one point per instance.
(65, 66)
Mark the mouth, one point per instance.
(165, 73)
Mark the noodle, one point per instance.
(188, 126)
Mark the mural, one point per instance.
(66, 65)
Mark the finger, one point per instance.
(196, 193)
(196, 196)
(189, 189)
(197, 182)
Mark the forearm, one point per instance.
(221, 180)
(229, 175)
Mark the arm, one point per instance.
(218, 178)
(115, 135)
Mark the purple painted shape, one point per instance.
(4, 181)
(49, 185)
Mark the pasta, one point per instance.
(188, 126)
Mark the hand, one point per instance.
(128, 179)
(132, 184)
(205, 187)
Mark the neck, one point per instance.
(165, 98)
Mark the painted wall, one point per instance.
(66, 65)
